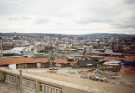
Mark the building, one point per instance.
(113, 66)
(31, 62)
(24, 62)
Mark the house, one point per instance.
(84, 62)
(113, 66)
(17, 50)
(31, 62)
(24, 62)
(62, 62)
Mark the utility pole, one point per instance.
(1, 47)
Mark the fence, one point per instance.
(26, 84)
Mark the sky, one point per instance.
(67, 16)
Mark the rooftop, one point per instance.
(20, 60)
(126, 58)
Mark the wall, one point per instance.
(31, 85)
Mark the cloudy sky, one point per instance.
(67, 16)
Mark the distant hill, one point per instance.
(86, 36)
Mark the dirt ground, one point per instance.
(6, 88)
(72, 80)
(99, 87)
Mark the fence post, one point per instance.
(2, 77)
(20, 81)
(37, 87)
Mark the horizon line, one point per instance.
(62, 33)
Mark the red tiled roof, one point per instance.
(126, 58)
(20, 60)
(130, 58)
(61, 61)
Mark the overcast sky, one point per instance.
(68, 16)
